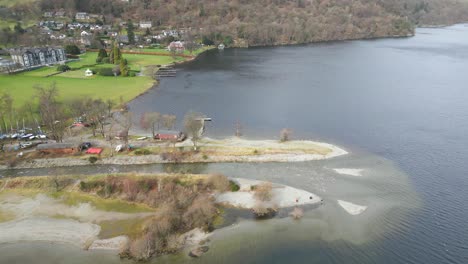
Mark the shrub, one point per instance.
(255, 152)
(63, 68)
(72, 49)
(132, 74)
(262, 212)
(142, 152)
(205, 157)
(218, 182)
(297, 213)
(106, 72)
(99, 60)
(263, 191)
(92, 159)
(105, 60)
(234, 187)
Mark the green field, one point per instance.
(9, 3)
(74, 84)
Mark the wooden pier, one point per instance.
(166, 71)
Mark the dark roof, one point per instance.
(23, 50)
(56, 146)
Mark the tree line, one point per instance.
(263, 22)
(44, 112)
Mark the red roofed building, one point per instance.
(94, 151)
(170, 136)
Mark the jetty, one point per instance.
(166, 71)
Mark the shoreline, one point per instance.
(36, 217)
(230, 150)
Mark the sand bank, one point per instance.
(49, 229)
(282, 196)
(43, 206)
(225, 150)
(351, 172)
(352, 209)
(115, 243)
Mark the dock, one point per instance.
(166, 71)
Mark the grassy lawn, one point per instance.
(108, 205)
(73, 84)
(22, 87)
(9, 3)
(130, 227)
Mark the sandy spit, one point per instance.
(283, 196)
(352, 209)
(290, 151)
(49, 229)
(351, 172)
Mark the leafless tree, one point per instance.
(285, 134)
(218, 182)
(238, 129)
(97, 114)
(124, 120)
(150, 121)
(193, 125)
(263, 191)
(52, 112)
(110, 106)
(169, 121)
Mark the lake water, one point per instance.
(398, 105)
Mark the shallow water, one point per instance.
(398, 105)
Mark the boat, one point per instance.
(221, 46)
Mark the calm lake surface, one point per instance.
(399, 106)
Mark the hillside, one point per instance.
(267, 22)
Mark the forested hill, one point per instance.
(271, 22)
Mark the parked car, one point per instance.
(26, 145)
(41, 136)
(27, 136)
(85, 146)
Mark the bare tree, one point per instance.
(285, 134)
(110, 106)
(124, 120)
(97, 114)
(263, 191)
(193, 124)
(218, 182)
(52, 112)
(169, 121)
(238, 132)
(150, 121)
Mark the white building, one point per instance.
(145, 24)
(81, 16)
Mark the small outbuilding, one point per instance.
(170, 136)
(88, 73)
(96, 151)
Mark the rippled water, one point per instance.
(399, 106)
